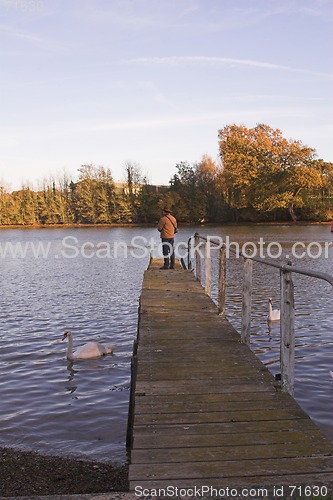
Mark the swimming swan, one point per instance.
(273, 314)
(87, 351)
(331, 373)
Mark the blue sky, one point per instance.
(152, 81)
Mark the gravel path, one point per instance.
(30, 474)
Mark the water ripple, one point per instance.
(81, 408)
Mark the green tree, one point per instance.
(93, 196)
(210, 189)
(8, 208)
(318, 202)
(132, 190)
(25, 207)
(104, 196)
(53, 206)
(190, 205)
(149, 201)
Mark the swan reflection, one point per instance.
(71, 370)
(71, 388)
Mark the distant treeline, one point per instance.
(260, 176)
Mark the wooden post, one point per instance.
(130, 418)
(197, 257)
(208, 280)
(287, 330)
(222, 281)
(189, 263)
(246, 304)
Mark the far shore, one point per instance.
(152, 224)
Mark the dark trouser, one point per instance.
(168, 246)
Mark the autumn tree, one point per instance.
(265, 171)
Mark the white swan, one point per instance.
(331, 373)
(87, 351)
(273, 314)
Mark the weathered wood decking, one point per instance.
(206, 410)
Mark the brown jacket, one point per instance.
(166, 227)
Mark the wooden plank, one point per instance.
(221, 406)
(216, 416)
(247, 427)
(191, 387)
(231, 468)
(281, 484)
(206, 409)
(263, 398)
(222, 453)
(163, 439)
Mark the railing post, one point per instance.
(246, 304)
(197, 257)
(208, 280)
(287, 330)
(222, 281)
(189, 263)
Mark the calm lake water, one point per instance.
(80, 279)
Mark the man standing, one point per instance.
(167, 226)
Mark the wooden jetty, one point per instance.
(205, 410)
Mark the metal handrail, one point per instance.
(287, 322)
(284, 267)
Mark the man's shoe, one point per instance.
(171, 267)
(164, 267)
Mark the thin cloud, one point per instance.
(193, 118)
(211, 60)
(154, 122)
(31, 40)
